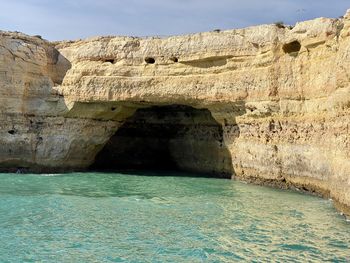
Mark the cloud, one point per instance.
(66, 19)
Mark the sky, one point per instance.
(74, 19)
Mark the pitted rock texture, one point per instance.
(281, 97)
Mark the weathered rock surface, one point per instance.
(280, 96)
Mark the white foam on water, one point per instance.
(49, 175)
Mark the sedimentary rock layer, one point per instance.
(279, 95)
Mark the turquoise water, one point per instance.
(121, 218)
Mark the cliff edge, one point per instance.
(267, 104)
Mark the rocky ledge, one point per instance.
(267, 104)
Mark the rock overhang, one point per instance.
(284, 108)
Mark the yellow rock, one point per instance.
(280, 96)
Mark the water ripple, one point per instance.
(123, 218)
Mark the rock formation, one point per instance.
(267, 104)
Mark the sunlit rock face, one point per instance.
(278, 100)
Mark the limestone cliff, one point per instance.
(267, 104)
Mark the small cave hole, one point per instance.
(113, 108)
(112, 61)
(291, 47)
(150, 60)
(174, 59)
(12, 132)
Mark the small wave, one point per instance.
(49, 175)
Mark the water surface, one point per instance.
(95, 217)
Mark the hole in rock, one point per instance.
(174, 59)
(12, 132)
(109, 61)
(168, 138)
(150, 60)
(291, 47)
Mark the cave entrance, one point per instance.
(168, 138)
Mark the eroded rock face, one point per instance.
(281, 97)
